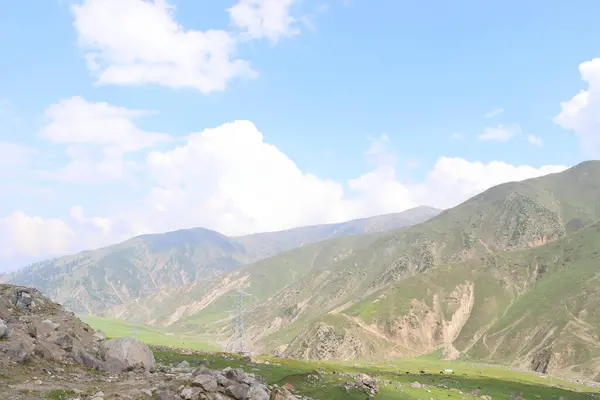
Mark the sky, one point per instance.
(123, 117)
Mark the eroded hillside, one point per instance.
(157, 265)
(444, 285)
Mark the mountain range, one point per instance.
(509, 276)
(92, 282)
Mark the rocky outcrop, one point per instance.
(34, 327)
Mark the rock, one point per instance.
(281, 394)
(190, 393)
(416, 385)
(3, 330)
(15, 351)
(213, 396)
(62, 340)
(183, 365)
(202, 370)
(99, 336)
(22, 298)
(236, 374)
(238, 391)
(367, 382)
(224, 381)
(49, 325)
(84, 358)
(166, 395)
(48, 350)
(258, 392)
(205, 382)
(131, 352)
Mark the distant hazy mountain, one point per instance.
(94, 281)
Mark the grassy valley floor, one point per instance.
(150, 335)
(329, 380)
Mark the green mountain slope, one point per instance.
(93, 282)
(441, 285)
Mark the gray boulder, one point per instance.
(206, 382)
(131, 352)
(15, 351)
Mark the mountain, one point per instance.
(507, 276)
(97, 280)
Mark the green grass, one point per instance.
(115, 328)
(497, 382)
(61, 394)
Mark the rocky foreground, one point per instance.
(46, 352)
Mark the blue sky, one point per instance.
(323, 81)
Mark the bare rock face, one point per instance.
(130, 352)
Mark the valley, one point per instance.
(508, 277)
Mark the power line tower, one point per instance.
(237, 344)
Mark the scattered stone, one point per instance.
(416, 385)
(166, 395)
(206, 382)
(281, 394)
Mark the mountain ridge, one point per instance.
(96, 280)
(298, 298)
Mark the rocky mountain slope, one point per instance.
(45, 352)
(95, 281)
(468, 282)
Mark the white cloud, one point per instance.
(270, 19)
(453, 180)
(535, 140)
(23, 235)
(12, 154)
(581, 113)
(97, 136)
(500, 133)
(494, 112)
(229, 179)
(140, 42)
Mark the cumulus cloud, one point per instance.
(139, 42)
(500, 133)
(230, 179)
(535, 140)
(132, 42)
(97, 136)
(270, 19)
(580, 114)
(33, 236)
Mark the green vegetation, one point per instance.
(153, 336)
(510, 276)
(325, 380)
(93, 282)
(61, 394)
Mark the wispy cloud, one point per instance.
(535, 140)
(500, 133)
(494, 113)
